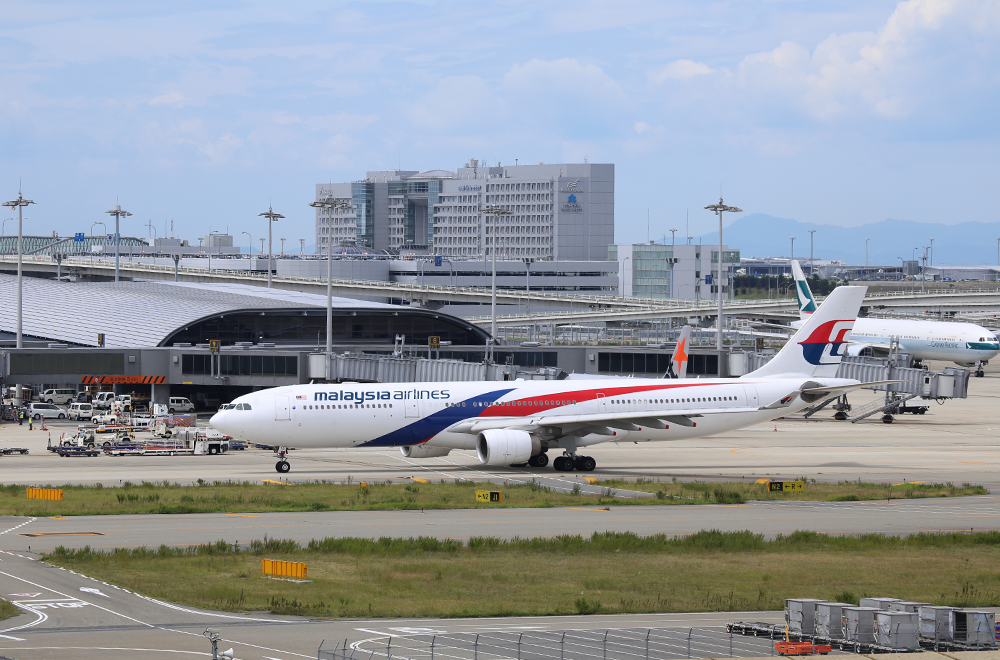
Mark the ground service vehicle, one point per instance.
(179, 404)
(46, 410)
(103, 400)
(80, 411)
(61, 397)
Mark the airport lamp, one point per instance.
(119, 213)
(272, 217)
(495, 211)
(719, 209)
(20, 203)
(328, 205)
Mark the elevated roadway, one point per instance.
(427, 295)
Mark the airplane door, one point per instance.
(281, 408)
(602, 403)
(411, 409)
(752, 401)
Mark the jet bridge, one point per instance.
(917, 388)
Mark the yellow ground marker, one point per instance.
(272, 481)
(910, 482)
(242, 515)
(419, 480)
(591, 480)
(573, 508)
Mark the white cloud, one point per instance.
(566, 75)
(680, 70)
(170, 98)
(888, 74)
(457, 102)
(641, 127)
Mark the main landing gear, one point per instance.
(282, 465)
(578, 463)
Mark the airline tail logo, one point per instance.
(806, 303)
(826, 343)
(679, 361)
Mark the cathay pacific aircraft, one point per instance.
(965, 344)
(517, 423)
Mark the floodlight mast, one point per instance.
(495, 211)
(719, 209)
(329, 204)
(119, 213)
(271, 217)
(20, 203)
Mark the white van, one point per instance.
(81, 411)
(57, 396)
(46, 410)
(180, 404)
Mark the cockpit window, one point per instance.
(246, 406)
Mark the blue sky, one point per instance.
(842, 112)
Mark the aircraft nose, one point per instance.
(218, 421)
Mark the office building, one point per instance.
(558, 212)
(655, 270)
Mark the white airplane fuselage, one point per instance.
(964, 343)
(441, 414)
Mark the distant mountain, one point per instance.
(762, 235)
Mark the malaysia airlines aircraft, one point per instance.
(516, 423)
(965, 344)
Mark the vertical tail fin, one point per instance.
(679, 360)
(816, 349)
(807, 305)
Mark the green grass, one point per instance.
(252, 497)
(607, 573)
(843, 491)
(8, 609)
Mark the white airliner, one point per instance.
(515, 423)
(965, 344)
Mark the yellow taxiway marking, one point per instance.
(910, 482)
(242, 515)
(272, 481)
(591, 480)
(573, 508)
(419, 480)
(57, 518)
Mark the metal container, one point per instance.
(878, 603)
(858, 624)
(829, 620)
(935, 622)
(973, 627)
(906, 606)
(897, 630)
(800, 614)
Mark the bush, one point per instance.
(726, 496)
(584, 606)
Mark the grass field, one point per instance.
(8, 609)
(607, 573)
(248, 497)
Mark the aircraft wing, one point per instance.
(620, 420)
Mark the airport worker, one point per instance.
(20, 418)
(31, 422)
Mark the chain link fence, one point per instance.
(602, 644)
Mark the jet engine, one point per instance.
(423, 451)
(863, 350)
(506, 447)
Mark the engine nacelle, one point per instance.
(423, 451)
(506, 447)
(856, 350)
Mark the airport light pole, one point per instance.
(4, 232)
(792, 258)
(811, 232)
(623, 276)
(719, 209)
(119, 213)
(262, 247)
(328, 205)
(271, 217)
(20, 203)
(931, 255)
(866, 252)
(250, 239)
(495, 211)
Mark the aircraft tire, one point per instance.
(563, 464)
(585, 464)
(538, 460)
(841, 415)
(282, 466)
(887, 419)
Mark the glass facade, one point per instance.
(241, 365)
(649, 363)
(83, 363)
(362, 196)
